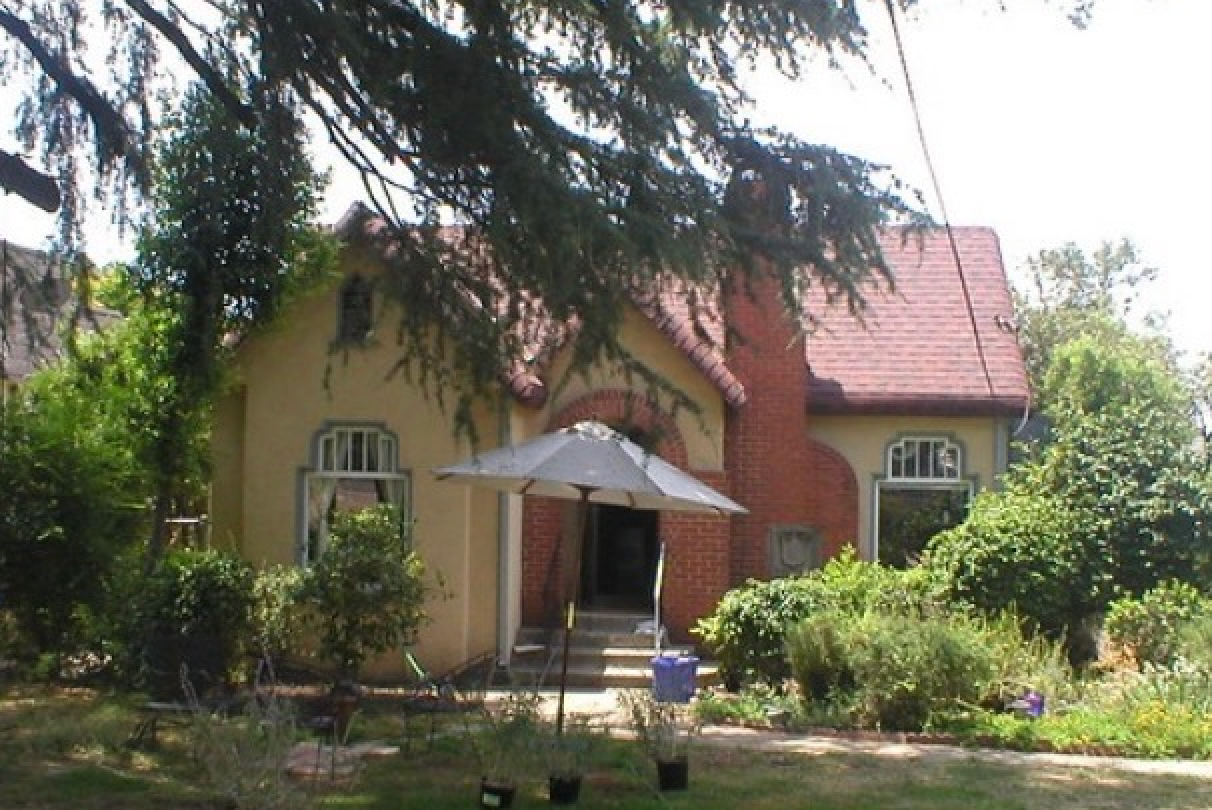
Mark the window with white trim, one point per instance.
(923, 491)
(918, 459)
(354, 467)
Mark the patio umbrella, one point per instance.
(589, 463)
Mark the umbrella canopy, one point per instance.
(590, 461)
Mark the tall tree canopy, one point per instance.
(591, 144)
(1067, 293)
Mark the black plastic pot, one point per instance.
(496, 795)
(563, 789)
(673, 774)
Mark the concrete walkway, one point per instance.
(602, 706)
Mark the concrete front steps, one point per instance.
(607, 652)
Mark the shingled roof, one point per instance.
(925, 347)
(918, 349)
(36, 306)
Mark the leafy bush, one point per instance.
(1015, 552)
(907, 669)
(366, 594)
(1195, 642)
(1150, 625)
(817, 650)
(275, 624)
(747, 631)
(196, 611)
(1023, 661)
(67, 513)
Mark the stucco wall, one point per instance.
(702, 432)
(863, 441)
(294, 386)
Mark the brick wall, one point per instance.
(833, 498)
(768, 453)
(697, 559)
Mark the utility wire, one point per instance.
(938, 191)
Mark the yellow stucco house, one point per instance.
(868, 435)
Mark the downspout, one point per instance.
(504, 560)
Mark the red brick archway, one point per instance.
(833, 498)
(696, 545)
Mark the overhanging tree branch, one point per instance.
(114, 135)
(212, 78)
(27, 182)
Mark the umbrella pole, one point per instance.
(570, 615)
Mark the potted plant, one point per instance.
(665, 730)
(364, 596)
(506, 748)
(567, 754)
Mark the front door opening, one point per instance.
(621, 548)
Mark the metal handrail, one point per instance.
(658, 583)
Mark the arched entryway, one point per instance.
(619, 556)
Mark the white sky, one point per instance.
(1047, 133)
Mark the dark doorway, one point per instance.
(621, 548)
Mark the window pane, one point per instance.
(357, 450)
(896, 467)
(327, 461)
(924, 458)
(342, 450)
(372, 451)
(910, 518)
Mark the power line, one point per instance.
(938, 191)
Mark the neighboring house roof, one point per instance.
(927, 346)
(919, 348)
(36, 306)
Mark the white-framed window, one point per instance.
(923, 490)
(353, 467)
(924, 459)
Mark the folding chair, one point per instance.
(456, 693)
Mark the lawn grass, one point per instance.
(62, 750)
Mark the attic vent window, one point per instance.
(355, 319)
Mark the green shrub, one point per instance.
(67, 512)
(906, 669)
(1015, 552)
(1195, 642)
(747, 631)
(1150, 625)
(195, 611)
(276, 625)
(366, 594)
(1023, 661)
(817, 650)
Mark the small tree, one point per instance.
(366, 594)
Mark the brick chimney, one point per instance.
(767, 449)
